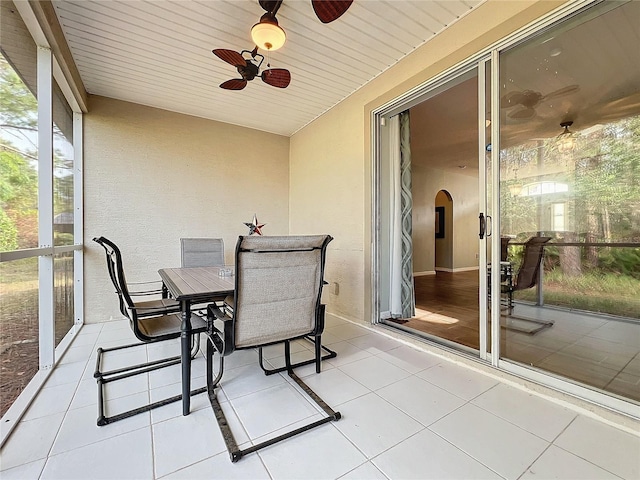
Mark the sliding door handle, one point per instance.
(489, 226)
(483, 225)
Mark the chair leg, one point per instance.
(143, 367)
(133, 369)
(318, 347)
(104, 420)
(235, 453)
(118, 374)
(510, 302)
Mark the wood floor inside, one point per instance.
(447, 307)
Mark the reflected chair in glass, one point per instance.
(504, 248)
(506, 269)
(528, 273)
(278, 288)
(202, 252)
(151, 321)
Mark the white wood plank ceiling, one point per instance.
(158, 53)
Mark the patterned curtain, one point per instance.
(406, 206)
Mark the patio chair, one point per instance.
(504, 248)
(122, 289)
(278, 288)
(527, 276)
(151, 321)
(202, 252)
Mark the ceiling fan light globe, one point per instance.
(566, 141)
(566, 144)
(268, 36)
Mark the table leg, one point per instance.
(185, 352)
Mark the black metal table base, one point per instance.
(104, 420)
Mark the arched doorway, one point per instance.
(443, 250)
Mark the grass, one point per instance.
(593, 291)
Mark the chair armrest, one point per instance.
(145, 283)
(152, 291)
(226, 346)
(145, 292)
(217, 312)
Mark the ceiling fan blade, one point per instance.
(234, 84)
(562, 92)
(231, 57)
(512, 99)
(277, 77)
(330, 10)
(523, 113)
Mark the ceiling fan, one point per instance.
(529, 100)
(249, 68)
(326, 10)
(268, 35)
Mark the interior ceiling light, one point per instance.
(554, 52)
(267, 34)
(566, 141)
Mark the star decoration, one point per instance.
(254, 226)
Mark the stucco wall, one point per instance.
(330, 159)
(152, 177)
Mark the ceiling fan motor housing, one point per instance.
(249, 71)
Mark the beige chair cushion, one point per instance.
(167, 325)
(277, 292)
(202, 252)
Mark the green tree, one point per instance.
(18, 162)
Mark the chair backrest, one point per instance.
(278, 288)
(202, 252)
(532, 258)
(504, 248)
(116, 273)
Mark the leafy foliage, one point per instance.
(18, 167)
(599, 200)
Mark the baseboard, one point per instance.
(455, 270)
(425, 273)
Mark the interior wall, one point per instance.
(463, 226)
(330, 159)
(153, 176)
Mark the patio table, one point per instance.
(190, 286)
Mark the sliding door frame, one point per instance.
(418, 94)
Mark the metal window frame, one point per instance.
(48, 69)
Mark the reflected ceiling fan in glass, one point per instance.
(528, 100)
(566, 141)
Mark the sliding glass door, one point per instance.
(570, 174)
(448, 129)
(526, 200)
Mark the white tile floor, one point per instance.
(406, 414)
